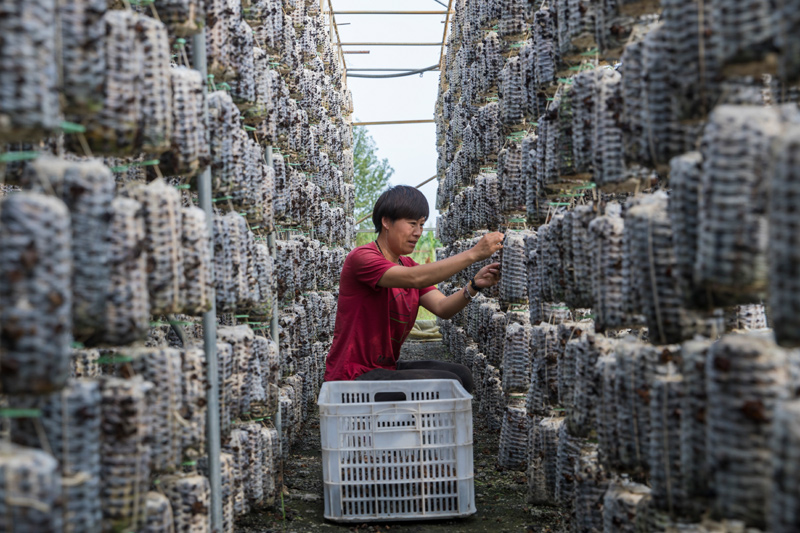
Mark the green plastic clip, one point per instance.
(72, 127)
(20, 413)
(148, 163)
(25, 155)
(114, 359)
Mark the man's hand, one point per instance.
(488, 276)
(489, 244)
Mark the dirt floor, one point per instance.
(500, 495)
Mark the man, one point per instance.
(381, 289)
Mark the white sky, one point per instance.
(410, 148)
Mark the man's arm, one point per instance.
(421, 276)
(447, 306)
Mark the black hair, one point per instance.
(400, 201)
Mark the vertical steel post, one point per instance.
(273, 326)
(213, 438)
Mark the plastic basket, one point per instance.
(396, 460)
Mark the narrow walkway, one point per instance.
(500, 496)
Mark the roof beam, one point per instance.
(365, 217)
(390, 122)
(389, 44)
(385, 69)
(392, 12)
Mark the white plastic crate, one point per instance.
(396, 460)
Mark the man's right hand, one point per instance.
(489, 244)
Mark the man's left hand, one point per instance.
(488, 276)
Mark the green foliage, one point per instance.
(364, 238)
(424, 314)
(425, 252)
(371, 175)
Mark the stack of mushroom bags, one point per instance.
(650, 342)
(106, 129)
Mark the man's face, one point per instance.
(404, 233)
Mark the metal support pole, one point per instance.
(273, 325)
(213, 438)
(339, 40)
(444, 43)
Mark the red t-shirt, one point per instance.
(371, 321)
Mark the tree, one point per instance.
(425, 252)
(371, 175)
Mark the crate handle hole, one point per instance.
(390, 396)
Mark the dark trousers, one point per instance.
(418, 370)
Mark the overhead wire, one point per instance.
(378, 76)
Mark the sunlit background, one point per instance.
(411, 148)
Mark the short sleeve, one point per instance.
(369, 266)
